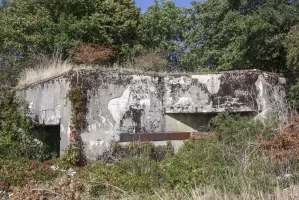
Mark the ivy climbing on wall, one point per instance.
(74, 154)
(78, 100)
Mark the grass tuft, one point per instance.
(47, 68)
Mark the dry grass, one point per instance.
(44, 70)
(69, 188)
(47, 68)
(150, 62)
(290, 193)
(50, 70)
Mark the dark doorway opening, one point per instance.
(50, 135)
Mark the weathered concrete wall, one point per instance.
(136, 103)
(48, 105)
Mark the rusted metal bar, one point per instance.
(126, 137)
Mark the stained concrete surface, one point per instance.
(126, 102)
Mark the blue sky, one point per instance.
(144, 4)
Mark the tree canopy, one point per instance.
(239, 34)
(213, 35)
(30, 26)
(162, 25)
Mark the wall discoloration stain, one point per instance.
(128, 103)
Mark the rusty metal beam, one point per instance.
(127, 137)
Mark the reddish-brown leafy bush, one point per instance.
(284, 147)
(92, 53)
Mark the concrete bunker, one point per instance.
(125, 106)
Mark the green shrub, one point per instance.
(234, 130)
(15, 131)
(196, 163)
(72, 154)
(169, 150)
(133, 175)
(137, 149)
(293, 93)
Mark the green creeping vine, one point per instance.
(74, 152)
(78, 99)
